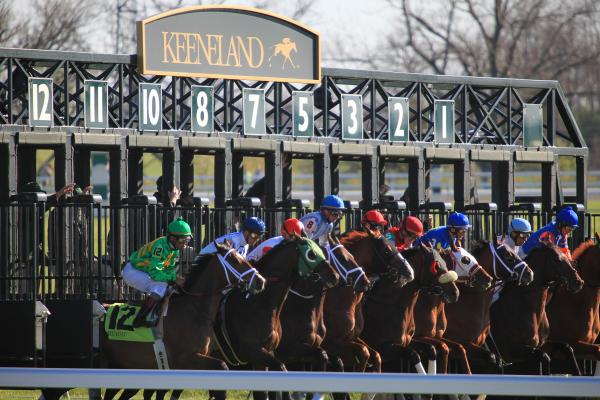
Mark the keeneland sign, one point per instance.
(228, 42)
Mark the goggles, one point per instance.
(256, 235)
(334, 212)
(521, 234)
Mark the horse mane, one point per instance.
(479, 245)
(409, 252)
(272, 253)
(351, 237)
(582, 248)
(195, 272)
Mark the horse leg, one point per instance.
(374, 357)
(198, 361)
(588, 351)
(428, 348)
(260, 360)
(482, 360)
(351, 353)
(110, 394)
(566, 351)
(458, 351)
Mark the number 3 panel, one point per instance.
(254, 111)
(398, 116)
(203, 105)
(352, 116)
(96, 104)
(40, 102)
(303, 113)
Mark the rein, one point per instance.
(344, 273)
(470, 273)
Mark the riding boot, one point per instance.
(148, 305)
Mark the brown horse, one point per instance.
(469, 318)
(389, 309)
(430, 318)
(574, 317)
(519, 325)
(253, 324)
(189, 322)
(342, 310)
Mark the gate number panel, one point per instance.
(254, 112)
(150, 107)
(303, 113)
(40, 102)
(532, 125)
(398, 116)
(96, 104)
(352, 116)
(444, 121)
(203, 106)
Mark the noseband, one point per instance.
(228, 269)
(470, 273)
(513, 275)
(344, 273)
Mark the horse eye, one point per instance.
(465, 260)
(310, 255)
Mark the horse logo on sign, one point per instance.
(284, 49)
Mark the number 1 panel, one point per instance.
(303, 114)
(254, 112)
(41, 104)
(96, 104)
(352, 116)
(444, 121)
(398, 116)
(203, 105)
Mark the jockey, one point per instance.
(319, 224)
(154, 265)
(519, 231)
(290, 229)
(403, 236)
(373, 220)
(252, 229)
(443, 236)
(556, 232)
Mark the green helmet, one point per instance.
(179, 228)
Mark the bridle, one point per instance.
(471, 273)
(513, 274)
(345, 274)
(389, 273)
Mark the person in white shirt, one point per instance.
(252, 230)
(319, 224)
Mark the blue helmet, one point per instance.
(458, 220)
(333, 201)
(519, 225)
(567, 217)
(254, 224)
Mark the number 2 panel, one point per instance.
(398, 115)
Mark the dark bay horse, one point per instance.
(253, 324)
(189, 322)
(468, 320)
(389, 308)
(343, 311)
(519, 325)
(430, 318)
(574, 317)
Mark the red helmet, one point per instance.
(293, 226)
(413, 224)
(374, 217)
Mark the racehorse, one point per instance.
(469, 318)
(519, 325)
(252, 325)
(189, 322)
(430, 318)
(342, 310)
(574, 317)
(389, 309)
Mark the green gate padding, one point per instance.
(117, 324)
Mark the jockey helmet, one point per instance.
(567, 217)
(333, 201)
(413, 225)
(374, 217)
(519, 225)
(293, 226)
(254, 224)
(179, 227)
(458, 220)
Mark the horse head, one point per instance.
(236, 270)
(379, 258)
(550, 265)
(586, 256)
(313, 264)
(431, 272)
(502, 263)
(467, 268)
(349, 270)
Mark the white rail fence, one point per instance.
(508, 385)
